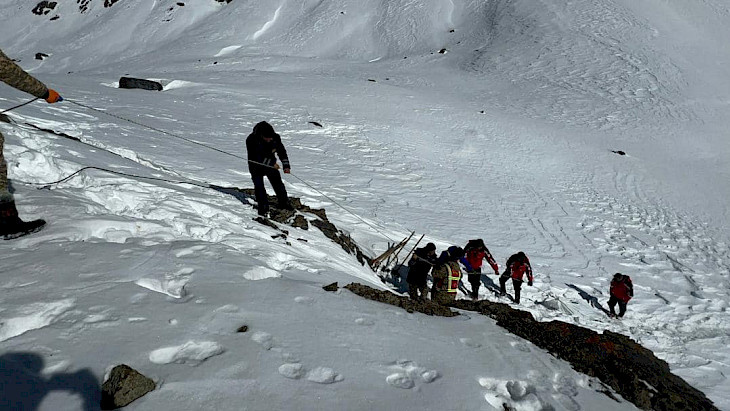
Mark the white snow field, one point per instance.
(460, 119)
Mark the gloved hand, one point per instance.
(276, 166)
(529, 283)
(53, 96)
(287, 170)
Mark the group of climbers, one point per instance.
(447, 274)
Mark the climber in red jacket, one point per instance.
(622, 289)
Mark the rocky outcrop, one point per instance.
(298, 218)
(426, 307)
(618, 361)
(124, 386)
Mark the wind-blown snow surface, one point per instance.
(505, 136)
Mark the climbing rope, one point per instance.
(19, 106)
(120, 173)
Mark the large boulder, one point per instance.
(131, 82)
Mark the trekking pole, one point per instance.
(395, 258)
(414, 247)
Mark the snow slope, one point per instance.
(507, 135)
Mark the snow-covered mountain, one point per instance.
(457, 119)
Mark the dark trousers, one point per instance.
(621, 306)
(517, 284)
(415, 289)
(475, 279)
(258, 185)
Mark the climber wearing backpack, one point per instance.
(11, 226)
(517, 266)
(622, 289)
(446, 275)
(476, 251)
(263, 146)
(418, 267)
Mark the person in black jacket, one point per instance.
(263, 146)
(418, 267)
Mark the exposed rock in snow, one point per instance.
(426, 307)
(123, 386)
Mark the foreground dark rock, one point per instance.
(618, 361)
(124, 386)
(427, 307)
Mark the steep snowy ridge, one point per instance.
(507, 136)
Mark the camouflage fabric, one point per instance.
(14, 76)
(3, 169)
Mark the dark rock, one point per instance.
(181, 4)
(315, 123)
(451, 31)
(619, 152)
(56, 17)
(426, 307)
(331, 287)
(224, 1)
(344, 240)
(442, 51)
(83, 5)
(44, 7)
(133, 83)
(242, 329)
(40, 56)
(124, 386)
(109, 3)
(265, 221)
(373, 80)
(300, 222)
(281, 215)
(5, 119)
